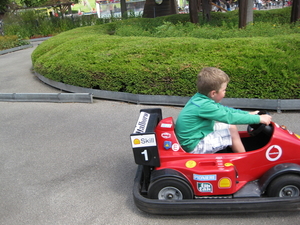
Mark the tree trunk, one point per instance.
(153, 9)
(295, 11)
(193, 5)
(206, 8)
(243, 5)
(249, 17)
(123, 9)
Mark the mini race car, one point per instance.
(171, 181)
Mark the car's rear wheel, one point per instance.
(170, 188)
(285, 186)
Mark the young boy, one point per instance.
(203, 124)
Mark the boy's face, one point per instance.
(218, 96)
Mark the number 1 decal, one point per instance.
(145, 153)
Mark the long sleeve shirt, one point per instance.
(196, 120)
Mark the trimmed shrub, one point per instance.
(258, 67)
(159, 56)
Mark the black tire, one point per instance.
(285, 186)
(170, 188)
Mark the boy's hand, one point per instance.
(265, 119)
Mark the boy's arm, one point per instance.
(244, 112)
(254, 113)
(265, 119)
(234, 110)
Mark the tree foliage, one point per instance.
(31, 3)
(3, 5)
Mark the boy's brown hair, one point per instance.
(211, 78)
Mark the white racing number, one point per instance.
(145, 153)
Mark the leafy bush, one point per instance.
(162, 56)
(33, 23)
(7, 42)
(258, 67)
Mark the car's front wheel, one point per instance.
(285, 186)
(169, 188)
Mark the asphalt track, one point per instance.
(71, 163)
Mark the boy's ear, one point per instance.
(212, 93)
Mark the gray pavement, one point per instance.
(71, 163)
(16, 76)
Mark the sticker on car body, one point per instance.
(142, 123)
(273, 153)
(147, 140)
(208, 177)
(166, 125)
(175, 147)
(205, 187)
(166, 135)
(224, 182)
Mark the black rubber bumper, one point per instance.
(210, 206)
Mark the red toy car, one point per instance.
(172, 181)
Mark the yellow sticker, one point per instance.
(298, 136)
(225, 183)
(190, 164)
(136, 141)
(228, 164)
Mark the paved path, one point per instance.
(71, 163)
(16, 75)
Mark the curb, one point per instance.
(39, 39)
(243, 103)
(15, 49)
(47, 97)
(23, 46)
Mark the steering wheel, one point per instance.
(255, 129)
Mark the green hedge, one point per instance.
(11, 41)
(262, 61)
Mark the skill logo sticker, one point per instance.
(147, 140)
